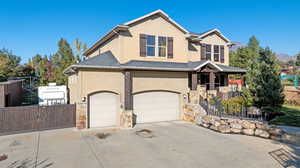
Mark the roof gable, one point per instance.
(213, 31)
(159, 13)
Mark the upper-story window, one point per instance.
(158, 46)
(216, 52)
(150, 45)
(208, 52)
(162, 46)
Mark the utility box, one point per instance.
(52, 95)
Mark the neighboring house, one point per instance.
(146, 70)
(11, 93)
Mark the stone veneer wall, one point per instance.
(126, 119)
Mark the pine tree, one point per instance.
(253, 45)
(263, 80)
(61, 60)
(243, 56)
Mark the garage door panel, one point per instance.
(103, 109)
(156, 106)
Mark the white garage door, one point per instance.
(103, 109)
(156, 106)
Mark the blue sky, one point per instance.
(34, 26)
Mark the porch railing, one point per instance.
(235, 112)
(228, 95)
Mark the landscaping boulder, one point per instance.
(205, 125)
(262, 133)
(199, 120)
(216, 123)
(236, 126)
(224, 128)
(248, 125)
(236, 131)
(261, 126)
(248, 131)
(206, 119)
(214, 128)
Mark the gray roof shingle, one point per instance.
(231, 69)
(104, 59)
(108, 60)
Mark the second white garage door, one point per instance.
(156, 106)
(103, 109)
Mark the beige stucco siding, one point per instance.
(154, 80)
(73, 88)
(155, 26)
(114, 45)
(214, 39)
(101, 80)
(194, 51)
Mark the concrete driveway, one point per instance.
(169, 144)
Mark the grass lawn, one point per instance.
(291, 117)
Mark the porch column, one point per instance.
(226, 79)
(243, 80)
(128, 103)
(211, 81)
(194, 80)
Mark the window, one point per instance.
(216, 52)
(162, 46)
(208, 52)
(156, 46)
(150, 45)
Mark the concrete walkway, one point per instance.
(169, 144)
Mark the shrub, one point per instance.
(234, 104)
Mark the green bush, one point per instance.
(234, 104)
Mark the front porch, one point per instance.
(212, 80)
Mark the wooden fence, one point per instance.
(33, 118)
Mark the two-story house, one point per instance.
(146, 70)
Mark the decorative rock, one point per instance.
(206, 119)
(199, 120)
(248, 131)
(276, 131)
(224, 129)
(223, 122)
(214, 128)
(236, 131)
(216, 123)
(261, 126)
(205, 125)
(262, 133)
(248, 125)
(235, 126)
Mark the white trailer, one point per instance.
(52, 94)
